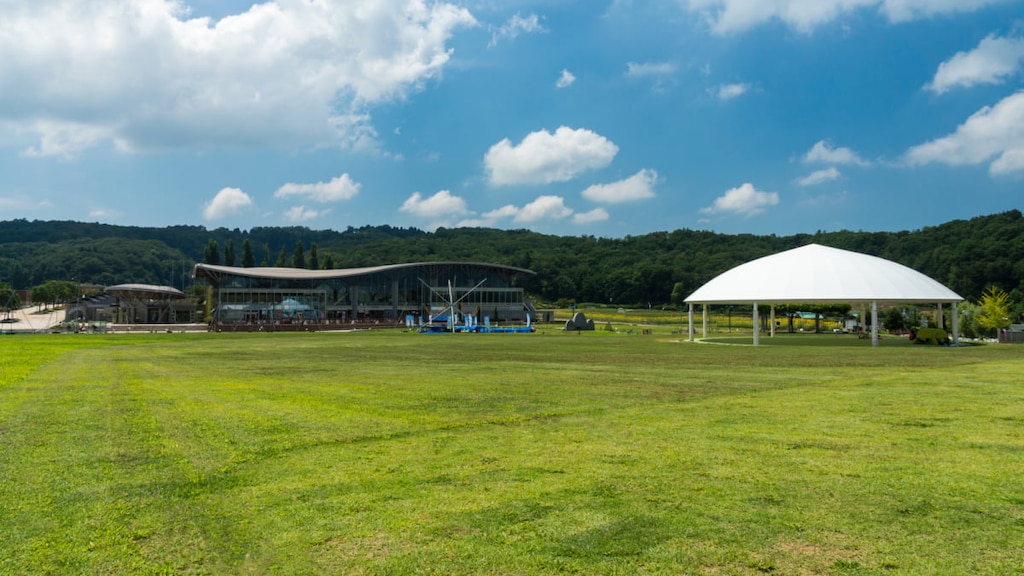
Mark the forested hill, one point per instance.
(655, 268)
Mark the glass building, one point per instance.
(295, 298)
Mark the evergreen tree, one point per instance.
(229, 253)
(282, 259)
(314, 260)
(266, 255)
(329, 262)
(248, 259)
(995, 310)
(299, 256)
(211, 255)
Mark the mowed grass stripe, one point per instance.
(400, 453)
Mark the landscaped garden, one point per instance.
(390, 452)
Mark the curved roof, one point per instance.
(144, 291)
(815, 273)
(210, 270)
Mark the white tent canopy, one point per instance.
(819, 274)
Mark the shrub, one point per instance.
(931, 336)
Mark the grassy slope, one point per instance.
(399, 453)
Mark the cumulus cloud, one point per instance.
(728, 16)
(730, 91)
(595, 215)
(543, 208)
(639, 186)
(515, 26)
(143, 75)
(990, 63)
(227, 202)
(824, 153)
(543, 157)
(338, 189)
(551, 208)
(745, 201)
(819, 176)
(302, 214)
(993, 133)
(642, 70)
(437, 207)
(565, 80)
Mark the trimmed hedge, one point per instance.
(930, 336)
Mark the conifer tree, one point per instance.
(248, 259)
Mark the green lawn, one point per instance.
(395, 453)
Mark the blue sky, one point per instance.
(569, 117)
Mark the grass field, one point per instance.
(397, 453)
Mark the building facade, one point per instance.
(292, 298)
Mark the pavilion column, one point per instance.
(772, 321)
(940, 322)
(690, 322)
(956, 326)
(354, 291)
(394, 297)
(757, 326)
(874, 323)
(704, 327)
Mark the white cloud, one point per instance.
(543, 208)
(302, 214)
(515, 26)
(439, 206)
(729, 91)
(727, 16)
(565, 80)
(227, 202)
(507, 211)
(543, 158)
(338, 189)
(639, 186)
(989, 63)
(142, 75)
(823, 153)
(62, 138)
(907, 10)
(104, 213)
(745, 201)
(595, 215)
(637, 70)
(819, 176)
(993, 133)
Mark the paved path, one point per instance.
(29, 322)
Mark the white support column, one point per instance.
(704, 328)
(956, 326)
(874, 323)
(757, 326)
(690, 319)
(940, 322)
(772, 320)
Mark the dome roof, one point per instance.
(815, 273)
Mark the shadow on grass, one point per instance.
(816, 340)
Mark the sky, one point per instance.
(569, 117)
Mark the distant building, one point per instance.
(298, 299)
(133, 304)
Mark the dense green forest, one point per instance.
(653, 269)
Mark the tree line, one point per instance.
(655, 269)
